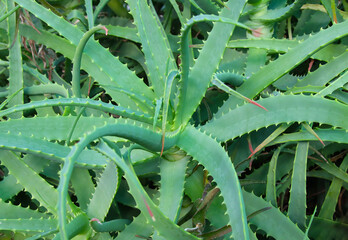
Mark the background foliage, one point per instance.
(163, 119)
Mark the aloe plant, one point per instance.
(175, 137)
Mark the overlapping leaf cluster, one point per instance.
(189, 119)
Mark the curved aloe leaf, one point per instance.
(299, 108)
(80, 102)
(206, 64)
(162, 224)
(210, 154)
(49, 150)
(274, 218)
(274, 70)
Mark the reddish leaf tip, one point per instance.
(105, 29)
(162, 145)
(256, 104)
(95, 220)
(149, 210)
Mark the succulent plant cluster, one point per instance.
(187, 119)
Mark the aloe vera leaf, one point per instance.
(142, 102)
(104, 193)
(157, 112)
(168, 89)
(276, 15)
(272, 45)
(110, 226)
(49, 150)
(28, 225)
(340, 95)
(128, 129)
(194, 86)
(297, 202)
(9, 13)
(259, 175)
(232, 78)
(42, 127)
(148, 167)
(193, 2)
(333, 169)
(163, 225)
(99, 7)
(172, 187)
(51, 88)
(329, 135)
(67, 49)
(80, 102)
(194, 185)
(78, 57)
(36, 163)
(271, 137)
(177, 11)
(338, 83)
(208, 6)
(138, 227)
(131, 50)
(330, 7)
(274, 70)
(78, 226)
(273, 215)
(239, 150)
(271, 179)
(227, 89)
(123, 32)
(207, 151)
(35, 73)
(155, 44)
(256, 59)
(328, 207)
(9, 98)
(299, 108)
(311, 221)
(16, 81)
(328, 53)
(322, 174)
(128, 80)
(332, 229)
(83, 186)
(31, 181)
(310, 130)
(9, 187)
(307, 89)
(274, 218)
(42, 234)
(89, 11)
(10, 211)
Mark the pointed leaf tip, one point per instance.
(256, 104)
(95, 220)
(257, 32)
(250, 145)
(105, 29)
(149, 210)
(162, 145)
